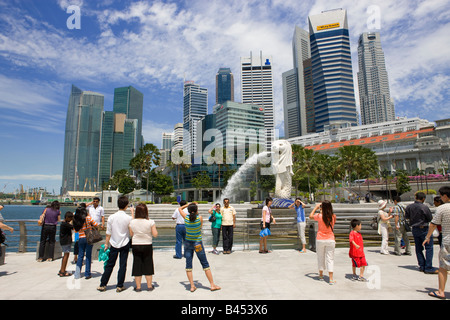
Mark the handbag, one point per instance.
(212, 218)
(42, 218)
(93, 235)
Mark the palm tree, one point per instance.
(305, 162)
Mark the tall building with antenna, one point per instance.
(374, 94)
(257, 89)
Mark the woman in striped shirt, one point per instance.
(193, 222)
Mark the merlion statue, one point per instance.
(282, 168)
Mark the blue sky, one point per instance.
(155, 45)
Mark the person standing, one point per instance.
(65, 239)
(228, 224)
(356, 252)
(299, 207)
(180, 231)
(81, 222)
(442, 218)
(384, 226)
(118, 240)
(142, 230)
(194, 222)
(326, 242)
(216, 225)
(420, 216)
(266, 219)
(97, 212)
(398, 212)
(437, 201)
(51, 216)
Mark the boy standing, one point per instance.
(356, 252)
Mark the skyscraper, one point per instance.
(82, 141)
(224, 85)
(257, 89)
(130, 101)
(195, 106)
(334, 96)
(121, 138)
(295, 86)
(374, 94)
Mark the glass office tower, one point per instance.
(224, 85)
(82, 141)
(334, 96)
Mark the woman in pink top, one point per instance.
(325, 238)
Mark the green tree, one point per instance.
(201, 181)
(402, 182)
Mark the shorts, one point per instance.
(359, 262)
(66, 248)
(444, 257)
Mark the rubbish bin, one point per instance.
(312, 236)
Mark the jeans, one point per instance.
(113, 254)
(84, 249)
(180, 231)
(48, 232)
(216, 235)
(425, 261)
(189, 248)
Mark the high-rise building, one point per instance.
(178, 136)
(166, 147)
(224, 85)
(82, 141)
(241, 125)
(374, 95)
(257, 89)
(130, 101)
(334, 96)
(295, 87)
(121, 132)
(195, 106)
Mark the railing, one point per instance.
(284, 234)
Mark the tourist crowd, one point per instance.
(136, 232)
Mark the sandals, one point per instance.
(64, 274)
(435, 295)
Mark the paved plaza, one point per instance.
(243, 276)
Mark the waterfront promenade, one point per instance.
(243, 276)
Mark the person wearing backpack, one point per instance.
(401, 227)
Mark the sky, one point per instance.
(156, 45)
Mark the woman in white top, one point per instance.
(142, 230)
(266, 219)
(384, 226)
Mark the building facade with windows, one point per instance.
(374, 95)
(332, 75)
(257, 89)
(406, 144)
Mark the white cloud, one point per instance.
(157, 43)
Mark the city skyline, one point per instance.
(154, 46)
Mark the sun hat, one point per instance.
(381, 204)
